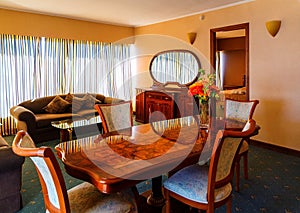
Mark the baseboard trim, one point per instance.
(276, 148)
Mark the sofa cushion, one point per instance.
(57, 105)
(44, 120)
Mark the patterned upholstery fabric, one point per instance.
(239, 111)
(191, 183)
(43, 169)
(117, 116)
(244, 147)
(225, 162)
(94, 201)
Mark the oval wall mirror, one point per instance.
(174, 67)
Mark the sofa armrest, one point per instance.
(9, 161)
(23, 114)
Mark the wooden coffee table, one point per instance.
(67, 126)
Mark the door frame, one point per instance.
(213, 48)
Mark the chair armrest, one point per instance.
(23, 114)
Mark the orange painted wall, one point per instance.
(274, 61)
(20, 23)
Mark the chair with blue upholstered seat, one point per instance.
(241, 111)
(84, 197)
(207, 187)
(115, 116)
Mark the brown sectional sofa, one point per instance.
(35, 117)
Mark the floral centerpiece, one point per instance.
(204, 89)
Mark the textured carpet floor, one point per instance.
(273, 185)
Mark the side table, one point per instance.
(67, 126)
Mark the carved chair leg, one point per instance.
(168, 204)
(245, 159)
(237, 170)
(229, 205)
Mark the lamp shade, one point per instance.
(273, 27)
(192, 37)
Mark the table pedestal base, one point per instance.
(156, 198)
(155, 201)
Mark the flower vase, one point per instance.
(204, 113)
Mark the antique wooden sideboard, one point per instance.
(170, 103)
(172, 72)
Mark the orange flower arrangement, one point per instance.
(204, 88)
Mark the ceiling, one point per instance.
(119, 12)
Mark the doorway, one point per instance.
(229, 48)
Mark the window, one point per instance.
(34, 67)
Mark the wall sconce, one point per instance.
(192, 37)
(273, 27)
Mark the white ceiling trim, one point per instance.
(131, 13)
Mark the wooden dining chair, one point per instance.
(208, 186)
(84, 197)
(115, 116)
(118, 116)
(240, 111)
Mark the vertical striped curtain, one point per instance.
(32, 67)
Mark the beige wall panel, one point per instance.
(274, 61)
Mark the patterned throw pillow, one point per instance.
(69, 98)
(77, 103)
(57, 105)
(90, 101)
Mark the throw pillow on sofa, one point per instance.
(57, 105)
(69, 98)
(86, 102)
(90, 101)
(75, 102)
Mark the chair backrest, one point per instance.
(240, 110)
(226, 147)
(115, 116)
(50, 175)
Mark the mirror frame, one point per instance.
(157, 84)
